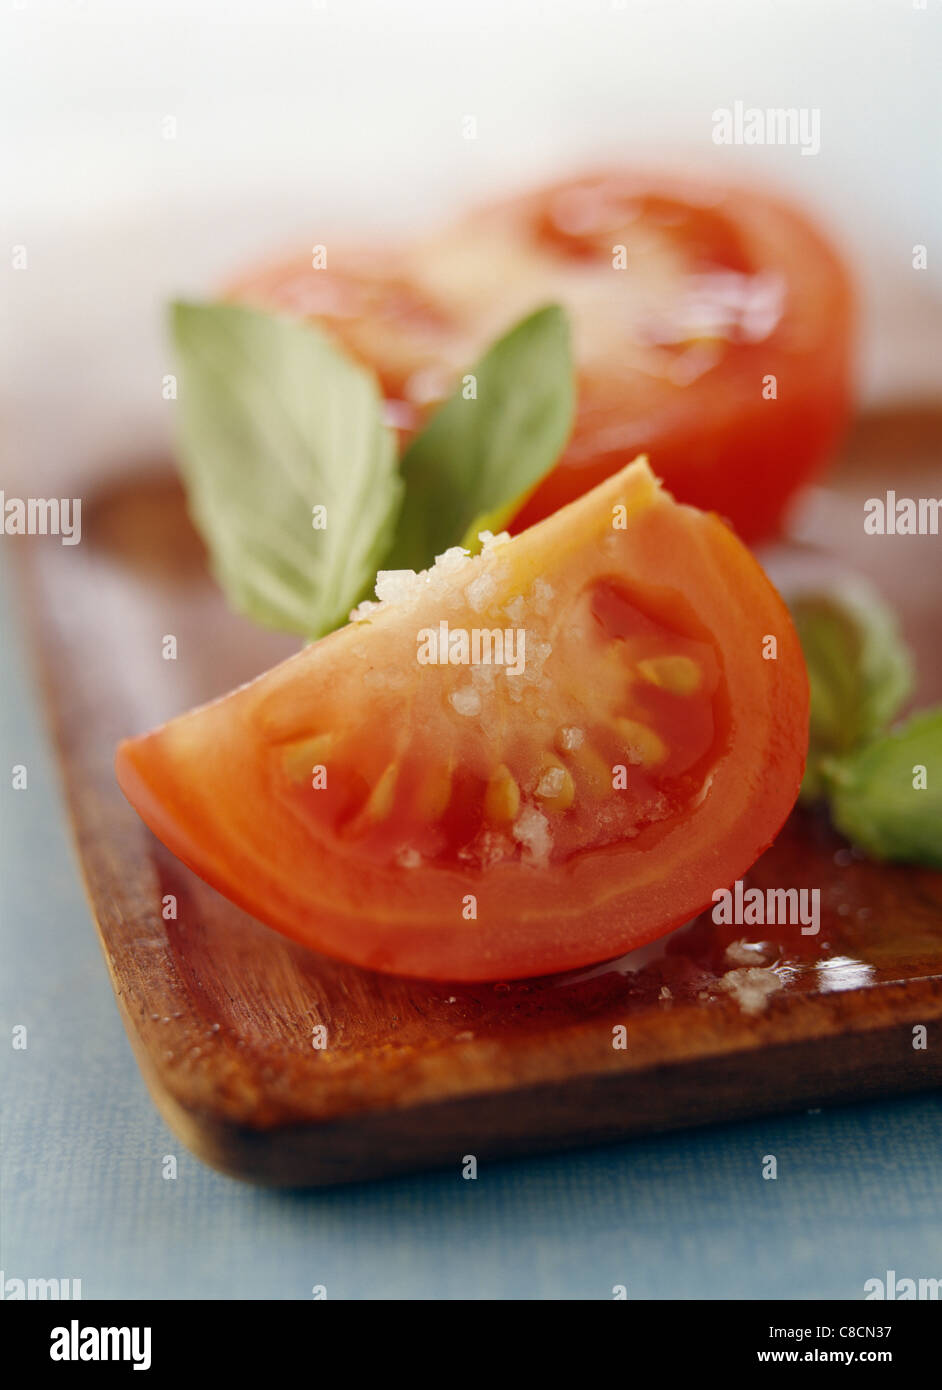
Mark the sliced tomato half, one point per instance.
(521, 762)
(712, 328)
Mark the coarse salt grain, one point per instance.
(531, 830)
(542, 595)
(489, 540)
(745, 952)
(551, 783)
(537, 653)
(480, 591)
(450, 560)
(492, 848)
(363, 610)
(404, 586)
(751, 987)
(397, 586)
(465, 701)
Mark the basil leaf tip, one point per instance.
(290, 472)
(487, 447)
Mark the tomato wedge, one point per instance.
(520, 762)
(712, 330)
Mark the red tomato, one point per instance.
(691, 304)
(556, 805)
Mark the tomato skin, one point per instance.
(717, 442)
(734, 465)
(420, 316)
(212, 786)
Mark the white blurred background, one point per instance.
(298, 120)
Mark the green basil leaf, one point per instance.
(480, 456)
(859, 669)
(275, 422)
(887, 796)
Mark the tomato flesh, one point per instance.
(630, 752)
(691, 304)
(651, 701)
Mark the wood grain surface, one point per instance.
(221, 1011)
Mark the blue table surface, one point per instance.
(858, 1191)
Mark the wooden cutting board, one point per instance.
(221, 1012)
